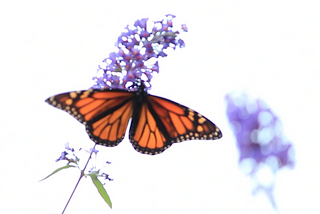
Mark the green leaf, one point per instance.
(101, 189)
(57, 170)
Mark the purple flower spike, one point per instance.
(137, 47)
(257, 130)
(259, 137)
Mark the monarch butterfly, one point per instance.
(156, 122)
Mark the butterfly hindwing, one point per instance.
(146, 134)
(105, 113)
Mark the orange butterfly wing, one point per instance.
(156, 124)
(161, 122)
(104, 113)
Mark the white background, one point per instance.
(268, 48)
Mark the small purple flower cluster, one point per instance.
(138, 48)
(258, 132)
(68, 155)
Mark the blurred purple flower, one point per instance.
(258, 131)
(138, 50)
(259, 137)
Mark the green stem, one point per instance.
(81, 175)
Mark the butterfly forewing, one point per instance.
(181, 122)
(105, 113)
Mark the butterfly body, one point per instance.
(156, 122)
